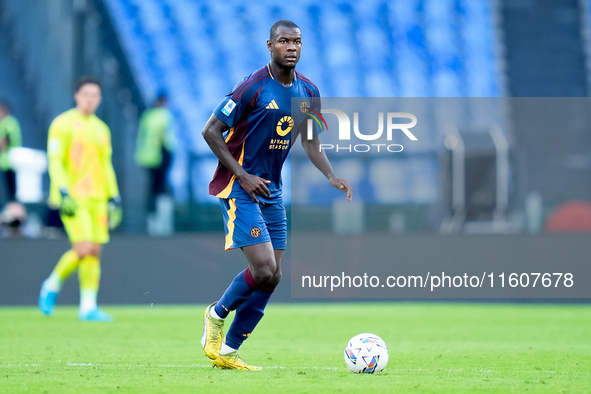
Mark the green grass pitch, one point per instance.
(434, 347)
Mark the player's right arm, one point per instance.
(59, 136)
(213, 135)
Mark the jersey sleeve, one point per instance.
(14, 133)
(57, 145)
(316, 105)
(170, 132)
(10, 133)
(111, 178)
(314, 110)
(232, 107)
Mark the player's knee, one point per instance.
(264, 273)
(84, 250)
(274, 281)
(263, 276)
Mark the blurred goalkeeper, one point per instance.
(84, 187)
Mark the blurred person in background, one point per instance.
(84, 187)
(12, 217)
(12, 214)
(10, 137)
(155, 146)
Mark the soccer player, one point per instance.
(84, 187)
(251, 132)
(155, 146)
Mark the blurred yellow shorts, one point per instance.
(90, 223)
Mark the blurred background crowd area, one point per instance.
(528, 172)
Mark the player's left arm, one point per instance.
(319, 159)
(111, 179)
(114, 208)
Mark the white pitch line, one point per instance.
(181, 366)
(137, 365)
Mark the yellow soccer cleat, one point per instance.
(233, 361)
(211, 340)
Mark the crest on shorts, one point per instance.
(255, 232)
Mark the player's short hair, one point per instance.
(161, 96)
(283, 22)
(4, 104)
(88, 80)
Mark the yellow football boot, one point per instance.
(233, 361)
(211, 340)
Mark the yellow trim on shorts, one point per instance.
(231, 219)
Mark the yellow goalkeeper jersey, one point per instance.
(79, 150)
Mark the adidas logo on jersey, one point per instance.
(272, 105)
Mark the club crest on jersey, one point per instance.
(229, 107)
(255, 232)
(305, 109)
(304, 106)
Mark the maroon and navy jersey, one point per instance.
(262, 128)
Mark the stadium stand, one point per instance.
(421, 48)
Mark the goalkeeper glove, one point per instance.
(115, 212)
(68, 206)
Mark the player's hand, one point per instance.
(115, 212)
(68, 206)
(343, 186)
(255, 186)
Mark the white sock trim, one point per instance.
(87, 300)
(214, 314)
(53, 283)
(226, 349)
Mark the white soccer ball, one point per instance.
(366, 353)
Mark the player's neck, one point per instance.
(84, 113)
(284, 76)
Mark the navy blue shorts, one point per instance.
(248, 222)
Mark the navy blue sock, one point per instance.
(239, 291)
(247, 317)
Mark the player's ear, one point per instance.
(270, 45)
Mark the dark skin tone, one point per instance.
(285, 50)
(264, 261)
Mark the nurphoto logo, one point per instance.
(392, 120)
